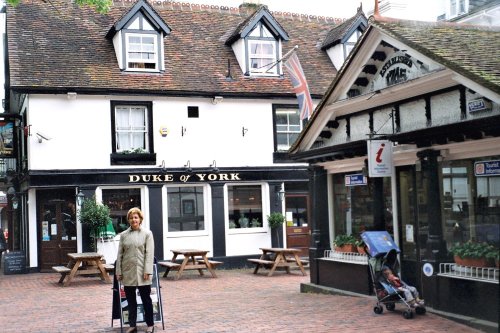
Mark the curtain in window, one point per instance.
(130, 128)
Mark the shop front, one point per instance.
(222, 211)
(438, 186)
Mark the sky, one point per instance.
(413, 9)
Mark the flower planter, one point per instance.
(346, 248)
(361, 249)
(472, 262)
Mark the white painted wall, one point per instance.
(239, 51)
(80, 132)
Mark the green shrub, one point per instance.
(472, 249)
(341, 240)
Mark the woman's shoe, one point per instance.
(150, 329)
(131, 329)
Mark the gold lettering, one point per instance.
(133, 178)
(169, 178)
(201, 176)
(156, 178)
(235, 176)
(212, 177)
(223, 176)
(146, 178)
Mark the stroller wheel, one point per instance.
(390, 306)
(408, 314)
(378, 309)
(420, 310)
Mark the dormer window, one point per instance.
(138, 39)
(262, 51)
(257, 44)
(141, 51)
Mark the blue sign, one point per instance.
(355, 180)
(487, 168)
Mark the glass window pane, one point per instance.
(119, 202)
(245, 206)
(185, 209)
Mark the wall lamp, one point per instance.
(214, 166)
(217, 99)
(162, 166)
(188, 166)
(15, 200)
(42, 137)
(280, 193)
(244, 131)
(80, 197)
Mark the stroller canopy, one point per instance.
(379, 243)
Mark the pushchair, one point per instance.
(383, 252)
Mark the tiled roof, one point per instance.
(336, 34)
(58, 45)
(471, 51)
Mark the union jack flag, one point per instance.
(300, 87)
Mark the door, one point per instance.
(297, 226)
(412, 224)
(57, 230)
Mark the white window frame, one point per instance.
(207, 204)
(131, 130)
(271, 57)
(148, 61)
(288, 131)
(264, 187)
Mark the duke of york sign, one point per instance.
(197, 177)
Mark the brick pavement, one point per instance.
(236, 301)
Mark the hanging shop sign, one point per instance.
(487, 168)
(379, 158)
(7, 138)
(356, 180)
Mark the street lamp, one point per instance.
(280, 193)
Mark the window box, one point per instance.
(133, 159)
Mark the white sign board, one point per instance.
(379, 158)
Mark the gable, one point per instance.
(389, 65)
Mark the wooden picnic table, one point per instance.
(283, 257)
(193, 259)
(86, 263)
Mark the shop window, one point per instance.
(186, 210)
(470, 204)
(354, 206)
(245, 206)
(119, 202)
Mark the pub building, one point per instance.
(182, 110)
(406, 140)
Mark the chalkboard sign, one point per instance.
(14, 262)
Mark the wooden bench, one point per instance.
(211, 262)
(169, 265)
(304, 262)
(61, 269)
(261, 261)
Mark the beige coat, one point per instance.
(135, 256)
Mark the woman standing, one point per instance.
(134, 267)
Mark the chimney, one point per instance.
(249, 7)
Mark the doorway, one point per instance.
(297, 227)
(56, 228)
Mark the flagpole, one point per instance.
(283, 57)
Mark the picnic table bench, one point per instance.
(83, 264)
(193, 259)
(283, 257)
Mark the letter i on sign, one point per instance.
(378, 158)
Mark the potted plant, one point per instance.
(360, 245)
(345, 243)
(96, 217)
(475, 254)
(276, 220)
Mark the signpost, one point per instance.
(120, 305)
